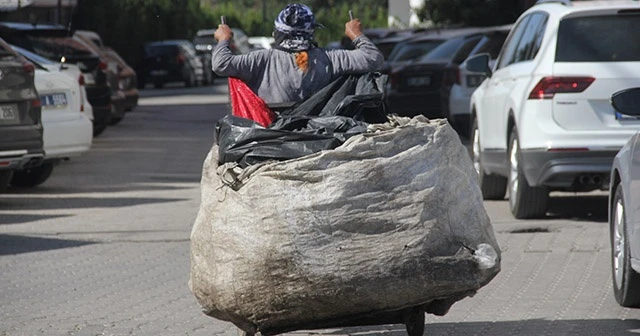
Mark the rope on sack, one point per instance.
(234, 176)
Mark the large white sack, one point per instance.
(391, 219)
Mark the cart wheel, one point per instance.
(414, 321)
(244, 333)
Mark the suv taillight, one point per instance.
(456, 75)
(102, 65)
(29, 68)
(82, 83)
(180, 59)
(394, 80)
(549, 86)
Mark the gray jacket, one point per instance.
(274, 76)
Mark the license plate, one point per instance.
(56, 100)
(9, 114)
(88, 79)
(419, 81)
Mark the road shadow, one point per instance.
(11, 244)
(107, 188)
(175, 113)
(607, 327)
(579, 208)
(58, 203)
(7, 219)
(220, 86)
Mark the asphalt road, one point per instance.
(102, 248)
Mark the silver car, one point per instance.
(624, 213)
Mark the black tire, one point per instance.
(626, 281)
(32, 177)
(5, 179)
(493, 187)
(98, 129)
(115, 120)
(525, 201)
(414, 322)
(190, 81)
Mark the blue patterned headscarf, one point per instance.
(295, 25)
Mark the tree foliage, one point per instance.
(471, 12)
(126, 25)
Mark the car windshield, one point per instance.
(54, 48)
(599, 39)
(209, 40)
(444, 50)
(5, 51)
(33, 57)
(491, 44)
(156, 50)
(412, 50)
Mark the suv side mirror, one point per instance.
(479, 64)
(627, 101)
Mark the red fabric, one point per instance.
(246, 104)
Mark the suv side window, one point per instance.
(511, 44)
(531, 39)
(537, 42)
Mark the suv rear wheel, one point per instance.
(493, 187)
(5, 178)
(190, 81)
(525, 201)
(33, 176)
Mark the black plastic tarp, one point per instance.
(324, 121)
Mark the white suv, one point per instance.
(542, 120)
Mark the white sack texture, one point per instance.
(389, 220)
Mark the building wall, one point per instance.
(401, 12)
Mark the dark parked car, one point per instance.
(57, 44)
(414, 83)
(204, 43)
(20, 115)
(170, 61)
(118, 96)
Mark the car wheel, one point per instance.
(115, 120)
(525, 201)
(493, 187)
(626, 281)
(32, 177)
(5, 179)
(191, 80)
(98, 129)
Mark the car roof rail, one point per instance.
(563, 2)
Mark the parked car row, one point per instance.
(425, 72)
(559, 110)
(109, 93)
(58, 91)
(172, 61)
